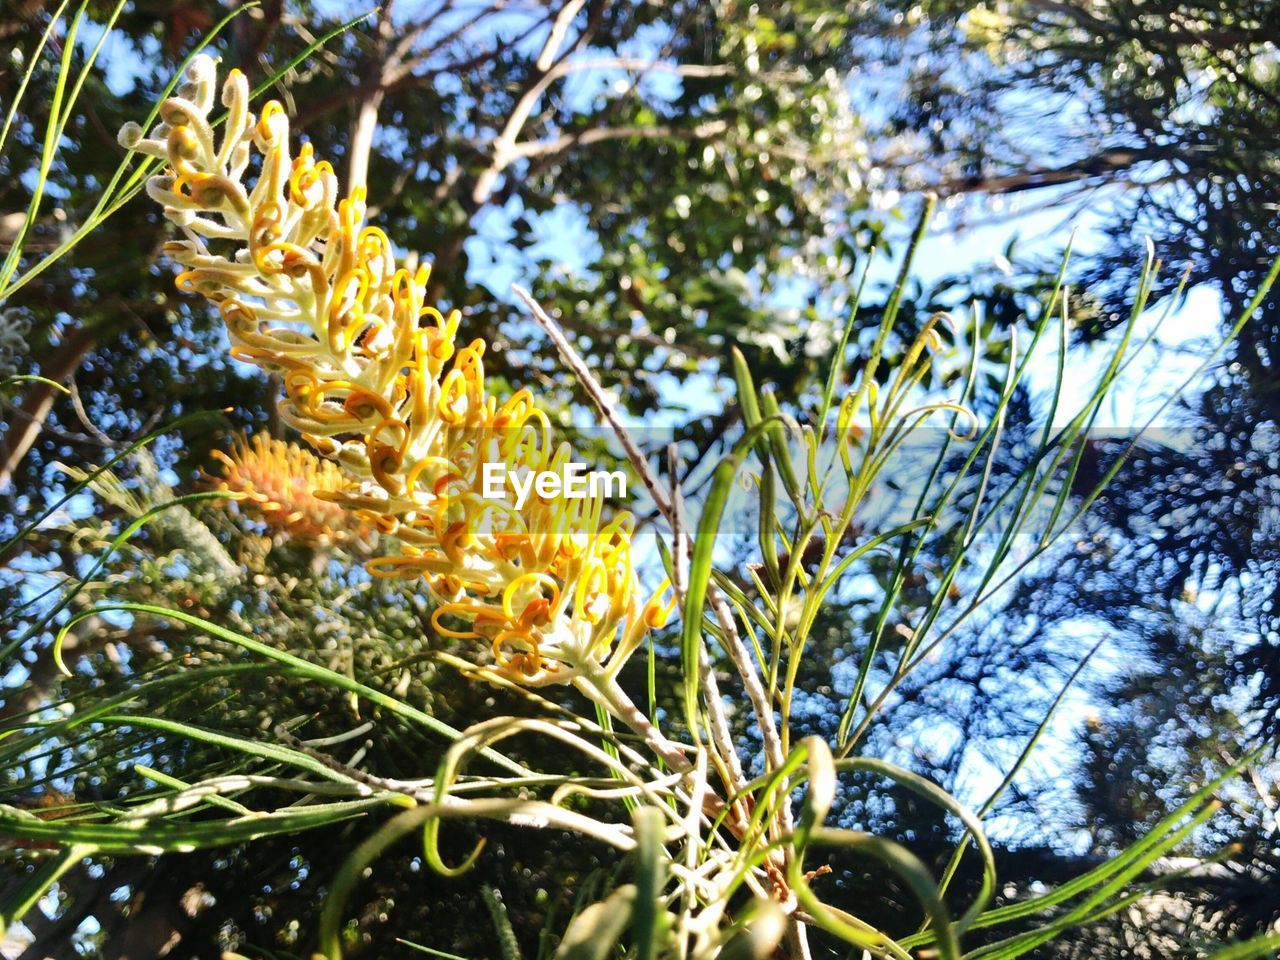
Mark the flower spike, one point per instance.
(376, 381)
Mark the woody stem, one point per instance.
(602, 689)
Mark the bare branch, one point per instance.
(555, 39)
(737, 651)
(598, 396)
(537, 148)
(698, 70)
(1106, 163)
(502, 149)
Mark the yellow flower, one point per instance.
(376, 381)
(285, 484)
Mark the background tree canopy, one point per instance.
(1158, 120)
(678, 179)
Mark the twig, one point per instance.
(724, 616)
(554, 145)
(603, 404)
(415, 790)
(760, 704)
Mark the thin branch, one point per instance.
(538, 148)
(502, 149)
(724, 616)
(601, 400)
(559, 29)
(697, 70)
(1106, 163)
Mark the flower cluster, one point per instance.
(375, 380)
(288, 487)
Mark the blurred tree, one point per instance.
(1160, 119)
(1158, 116)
